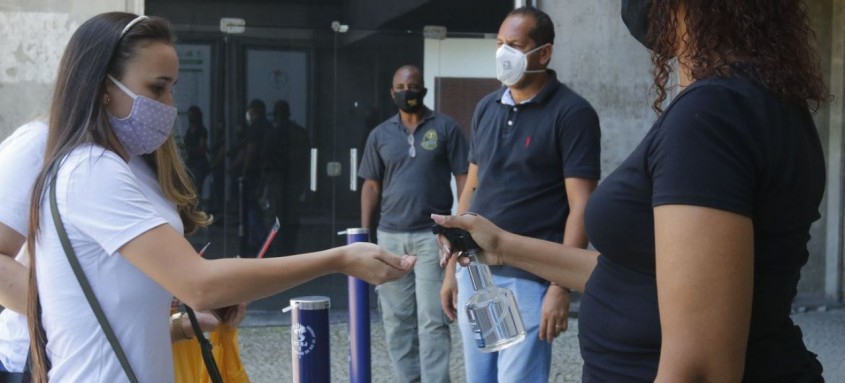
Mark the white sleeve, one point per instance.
(104, 202)
(21, 158)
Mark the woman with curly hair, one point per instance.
(702, 232)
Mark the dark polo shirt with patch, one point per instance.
(524, 152)
(414, 187)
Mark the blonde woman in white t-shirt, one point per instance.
(22, 153)
(113, 100)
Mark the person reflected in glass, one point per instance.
(285, 161)
(246, 166)
(196, 147)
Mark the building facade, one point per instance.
(332, 60)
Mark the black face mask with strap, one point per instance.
(410, 101)
(635, 15)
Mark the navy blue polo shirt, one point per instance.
(524, 152)
(414, 187)
(727, 144)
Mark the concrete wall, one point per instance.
(595, 55)
(835, 65)
(826, 242)
(34, 34)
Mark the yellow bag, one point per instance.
(188, 364)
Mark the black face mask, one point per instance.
(410, 101)
(635, 16)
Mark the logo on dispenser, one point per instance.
(304, 339)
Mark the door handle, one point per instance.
(353, 169)
(313, 169)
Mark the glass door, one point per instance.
(259, 135)
(286, 181)
(324, 85)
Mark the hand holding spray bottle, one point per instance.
(492, 312)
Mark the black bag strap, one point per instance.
(26, 375)
(205, 347)
(83, 280)
(13, 377)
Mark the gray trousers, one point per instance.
(418, 339)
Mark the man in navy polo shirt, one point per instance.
(534, 160)
(408, 162)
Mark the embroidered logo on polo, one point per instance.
(429, 140)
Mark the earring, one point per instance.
(107, 99)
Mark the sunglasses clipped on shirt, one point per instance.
(412, 152)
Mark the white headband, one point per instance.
(131, 24)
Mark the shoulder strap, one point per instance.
(83, 280)
(205, 347)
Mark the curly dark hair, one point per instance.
(770, 38)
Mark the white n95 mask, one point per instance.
(511, 64)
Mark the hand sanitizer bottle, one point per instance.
(492, 312)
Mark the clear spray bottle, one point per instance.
(492, 312)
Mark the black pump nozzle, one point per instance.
(461, 239)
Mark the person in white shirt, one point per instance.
(23, 154)
(113, 100)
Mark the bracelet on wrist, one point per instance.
(177, 326)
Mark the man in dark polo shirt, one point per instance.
(534, 160)
(408, 163)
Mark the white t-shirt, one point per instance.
(25, 148)
(21, 156)
(14, 338)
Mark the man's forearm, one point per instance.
(466, 199)
(460, 182)
(468, 189)
(369, 204)
(575, 234)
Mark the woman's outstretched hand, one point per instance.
(374, 264)
(487, 235)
